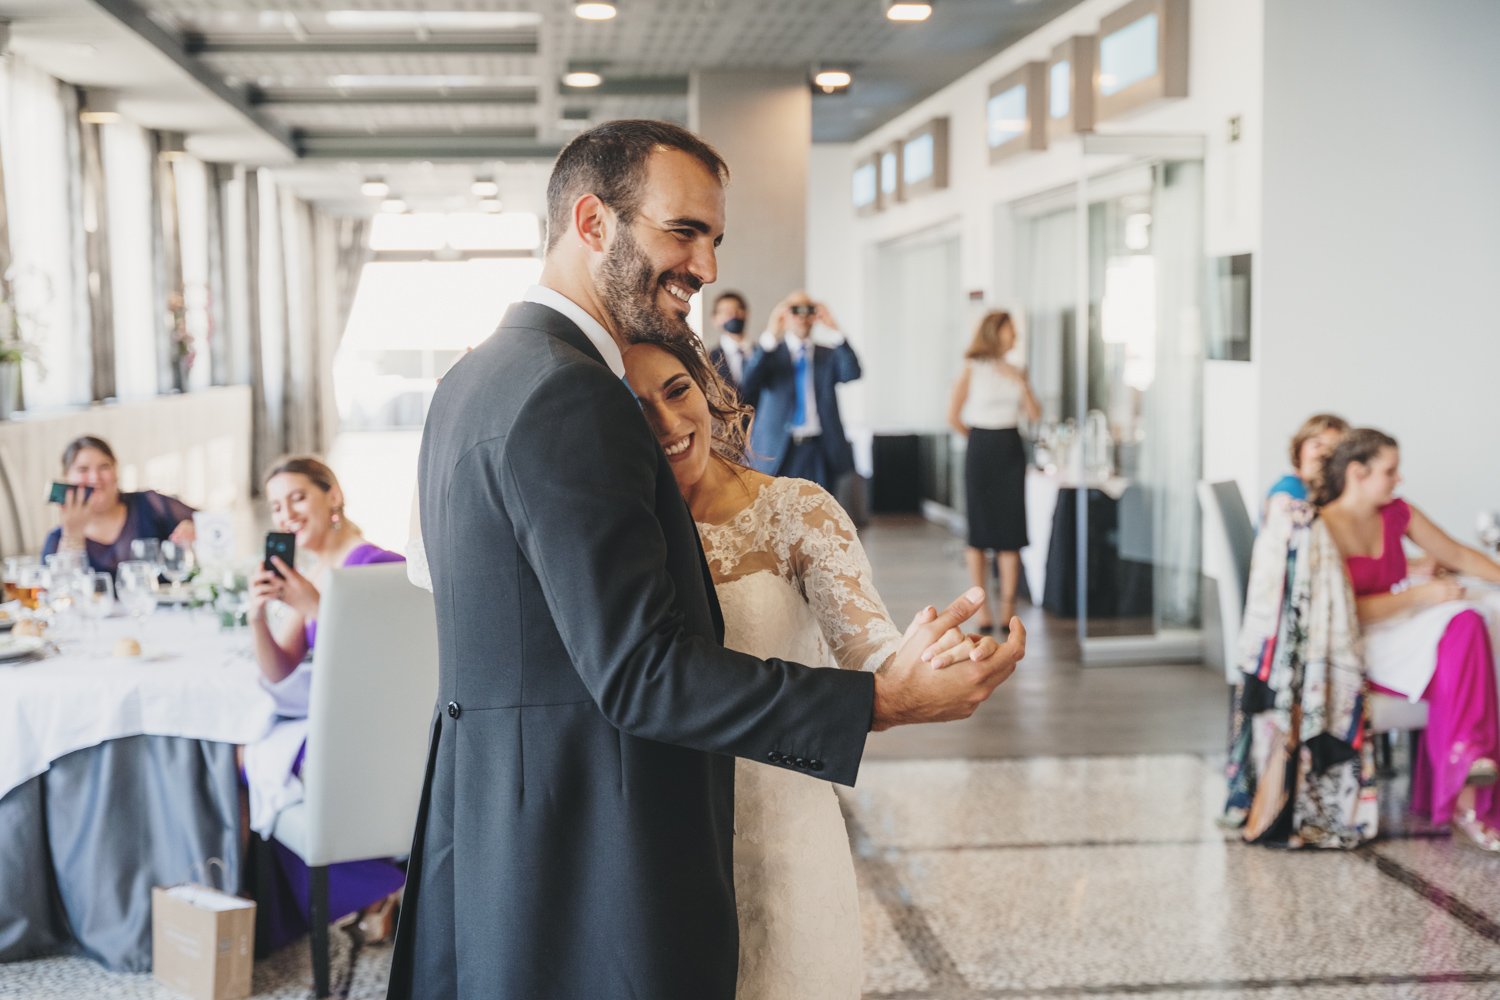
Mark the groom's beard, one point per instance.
(629, 287)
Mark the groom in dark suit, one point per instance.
(575, 828)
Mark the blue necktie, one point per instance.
(799, 415)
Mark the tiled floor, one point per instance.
(1062, 844)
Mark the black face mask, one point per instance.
(735, 326)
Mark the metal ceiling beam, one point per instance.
(273, 96)
(638, 86)
(135, 19)
(350, 45)
(500, 144)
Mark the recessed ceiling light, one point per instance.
(908, 11)
(393, 205)
(374, 187)
(595, 10)
(831, 80)
(582, 78)
(484, 187)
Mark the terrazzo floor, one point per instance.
(1031, 854)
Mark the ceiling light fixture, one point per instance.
(100, 107)
(908, 11)
(395, 206)
(595, 10)
(485, 187)
(374, 187)
(830, 80)
(582, 78)
(490, 205)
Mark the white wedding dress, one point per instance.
(793, 583)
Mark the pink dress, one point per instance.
(1463, 721)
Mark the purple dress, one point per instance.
(148, 514)
(1463, 719)
(352, 885)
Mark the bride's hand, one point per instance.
(952, 646)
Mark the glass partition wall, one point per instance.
(1114, 519)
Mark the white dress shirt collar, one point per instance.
(591, 327)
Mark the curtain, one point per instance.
(97, 265)
(217, 338)
(166, 247)
(1172, 453)
(128, 179)
(191, 178)
(46, 261)
(342, 248)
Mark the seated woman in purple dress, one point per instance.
(104, 524)
(306, 499)
(1423, 641)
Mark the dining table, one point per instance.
(117, 774)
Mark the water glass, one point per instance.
(147, 550)
(94, 597)
(136, 584)
(11, 576)
(177, 562)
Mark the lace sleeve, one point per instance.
(833, 573)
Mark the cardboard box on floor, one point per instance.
(202, 942)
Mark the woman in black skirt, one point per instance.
(989, 399)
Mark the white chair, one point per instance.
(374, 678)
(1228, 538)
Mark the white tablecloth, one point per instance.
(1401, 653)
(192, 680)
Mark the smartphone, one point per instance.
(59, 492)
(283, 544)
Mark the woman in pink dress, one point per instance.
(1454, 776)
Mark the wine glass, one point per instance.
(146, 550)
(11, 575)
(177, 562)
(1489, 530)
(94, 596)
(137, 583)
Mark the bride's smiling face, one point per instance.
(676, 409)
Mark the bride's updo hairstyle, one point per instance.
(731, 418)
(1359, 445)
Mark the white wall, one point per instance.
(1225, 81)
(1382, 214)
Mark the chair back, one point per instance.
(1228, 538)
(374, 679)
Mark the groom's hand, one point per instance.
(909, 690)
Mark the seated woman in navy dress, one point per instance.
(305, 499)
(1311, 445)
(104, 524)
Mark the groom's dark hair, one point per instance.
(610, 161)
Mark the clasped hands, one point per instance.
(941, 674)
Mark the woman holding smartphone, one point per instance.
(308, 503)
(97, 519)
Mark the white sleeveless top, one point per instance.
(994, 401)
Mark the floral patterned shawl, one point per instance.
(1301, 772)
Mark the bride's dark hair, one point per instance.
(730, 417)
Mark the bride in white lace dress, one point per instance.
(793, 582)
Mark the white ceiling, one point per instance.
(235, 61)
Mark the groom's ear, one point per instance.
(592, 220)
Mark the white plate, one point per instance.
(14, 647)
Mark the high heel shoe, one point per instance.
(1475, 833)
(1482, 772)
(377, 922)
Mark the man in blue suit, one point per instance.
(791, 380)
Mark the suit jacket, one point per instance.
(770, 383)
(721, 365)
(574, 838)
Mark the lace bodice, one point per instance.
(795, 530)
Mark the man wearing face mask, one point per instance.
(792, 378)
(729, 357)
